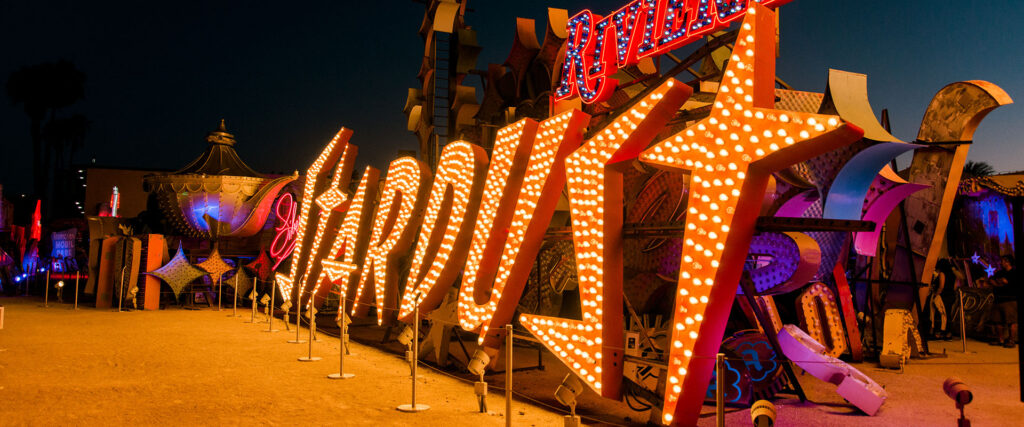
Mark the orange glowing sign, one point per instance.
(507, 236)
(349, 247)
(447, 226)
(597, 46)
(394, 227)
(592, 347)
(315, 176)
(512, 147)
(729, 154)
(332, 202)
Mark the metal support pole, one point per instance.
(298, 320)
(415, 349)
(77, 275)
(46, 299)
(341, 375)
(508, 375)
(298, 310)
(270, 310)
(748, 292)
(480, 389)
(413, 407)
(219, 292)
(312, 322)
(234, 303)
(312, 325)
(963, 324)
(252, 317)
(720, 389)
(120, 289)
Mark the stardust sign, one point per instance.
(598, 46)
(484, 219)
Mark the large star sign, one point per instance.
(730, 155)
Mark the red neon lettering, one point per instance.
(617, 29)
(578, 75)
(284, 233)
(671, 21)
(596, 47)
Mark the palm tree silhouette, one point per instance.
(66, 134)
(977, 169)
(42, 89)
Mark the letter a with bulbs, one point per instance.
(730, 155)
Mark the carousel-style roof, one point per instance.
(220, 157)
(217, 194)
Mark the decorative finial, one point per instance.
(221, 135)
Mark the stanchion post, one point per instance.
(508, 375)
(963, 324)
(234, 303)
(415, 349)
(270, 310)
(77, 275)
(298, 321)
(298, 311)
(341, 375)
(254, 302)
(720, 389)
(120, 289)
(46, 299)
(312, 325)
(312, 321)
(254, 293)
(413, 407)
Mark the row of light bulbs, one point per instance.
(816, 296)
(348, 250)
(530, 164)
(317, 171)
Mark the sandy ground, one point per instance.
(59, 367)
(180, 367)
(915, 395)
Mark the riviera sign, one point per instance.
(598, 46)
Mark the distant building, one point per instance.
(99, 182)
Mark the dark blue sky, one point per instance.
(287, 75)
